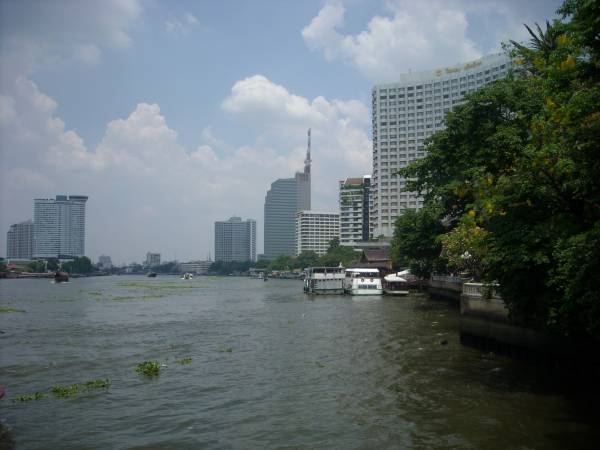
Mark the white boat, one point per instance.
(362, 281)
(187, 276)
(394, 284)
(324, 280)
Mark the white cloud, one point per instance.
(49, 34)
(181, 25)
(416, 35)
(147, 191)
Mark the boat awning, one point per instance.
(394, 278)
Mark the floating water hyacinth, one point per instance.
(184, 361)
(65, 391)
(148, 368)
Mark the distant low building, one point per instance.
(19, 241)
(104, 262)
(315, 230)
(196, 267)
(152, 259)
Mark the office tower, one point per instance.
(19, 240)
(315, 230)
(152, 259)
(59, 227)
(354, 210)
(235, 240)
(405, 113)
(286, 197)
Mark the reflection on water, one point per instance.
(270, 368)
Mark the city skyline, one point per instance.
(165, 153)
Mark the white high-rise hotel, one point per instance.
(59, 227)
(405, 113)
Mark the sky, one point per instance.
(171, 115)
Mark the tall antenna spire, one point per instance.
(307, 161)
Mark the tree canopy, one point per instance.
(519, 161)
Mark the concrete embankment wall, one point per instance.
(485, 324)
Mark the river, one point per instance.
(270, 368)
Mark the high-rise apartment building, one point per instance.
(315, 230)
(286, 197)
(152, 259)
(235, 240)
(19, 240)
(405, 113)
(354, 201)
(59, 227)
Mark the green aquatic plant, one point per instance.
(95, 293)
(124, 298)
(65, 391)
(156, 286)
(148, 368)
(28, 398)
(6, 310)
(320, 364)
(97, 384)
(183, 361)
(225, 349)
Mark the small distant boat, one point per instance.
(187, 276)
(151, 274)
(61, 277)
(394, 284)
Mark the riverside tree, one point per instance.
(521, 160)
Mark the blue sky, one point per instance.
(171, 115)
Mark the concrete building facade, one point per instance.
(315, 230)
(286, 197)
(19, 241)
(354, 203)
(152, 259)
(59, 227)
(406, 113)
(235, 240)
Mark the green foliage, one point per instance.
(465, 250)
(52, 264)
(225, 349)
(416, 242)
(225, 268)
(167, 267)
(519, 159)
(74, 389)
(184, 361)
(81, 265)
(36, 267)
(3, 267)
(333, 244)
(148, 368)
(340, 254)
(306, 259)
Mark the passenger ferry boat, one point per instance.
(324, 280)
(362, 282)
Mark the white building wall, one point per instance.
(315, 230)
(404, 115)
